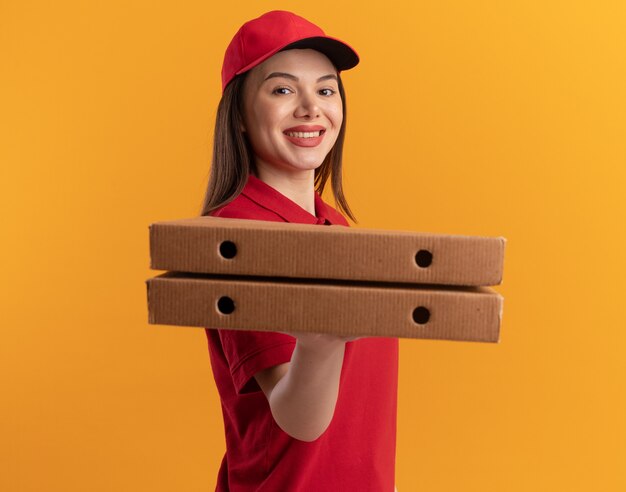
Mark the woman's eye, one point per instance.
(286, 90)
(276, 91)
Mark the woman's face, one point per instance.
(290, 99)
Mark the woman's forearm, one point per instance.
(303, 401)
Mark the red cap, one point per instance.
(260, 38)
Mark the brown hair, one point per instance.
(233, 157)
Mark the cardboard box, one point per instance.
(341, 308)
(275, 276)
(280, 249)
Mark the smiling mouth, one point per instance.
(305, 134)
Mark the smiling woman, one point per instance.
(234, 157)
(302, 411)
(292, 116)
(305, 135)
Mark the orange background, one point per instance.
(479, 118)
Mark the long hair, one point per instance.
(233, 156)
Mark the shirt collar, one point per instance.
(270, 198)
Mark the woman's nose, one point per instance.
(307, 107)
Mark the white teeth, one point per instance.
(304, 134)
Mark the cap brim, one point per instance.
(340, 54)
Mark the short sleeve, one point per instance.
(248, 352)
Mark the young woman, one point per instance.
(302, 412)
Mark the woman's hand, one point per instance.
(320, 341)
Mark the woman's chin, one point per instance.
(305, 162)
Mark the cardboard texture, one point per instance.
(281, 249)
(349, 309)
(275, 276)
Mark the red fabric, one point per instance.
(262, 37)
(357, 451)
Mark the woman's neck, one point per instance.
(298, 186)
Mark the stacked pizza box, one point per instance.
(274, 276)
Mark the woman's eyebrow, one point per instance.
(293, 77)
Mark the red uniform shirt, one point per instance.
(357, 451)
